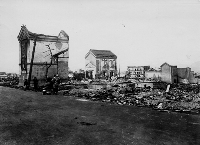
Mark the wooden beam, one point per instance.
(31, 65)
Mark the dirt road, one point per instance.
(29, 118)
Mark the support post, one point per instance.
(57, 63)
(46, 71)
(85, 73)
(31, 65)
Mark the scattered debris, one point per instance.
(181, 98)
(174, 97)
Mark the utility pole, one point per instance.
(31, 65)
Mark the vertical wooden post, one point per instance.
(31, 65)
(57, 63)
(46, 71)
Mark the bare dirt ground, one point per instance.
(30, 118)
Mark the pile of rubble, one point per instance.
(9, 82)
(182, 99)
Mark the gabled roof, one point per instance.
(168, 65)
(26, 34)
(103, 54)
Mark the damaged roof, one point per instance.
(103, 54)
(26, 34)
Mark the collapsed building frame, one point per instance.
(42, 55)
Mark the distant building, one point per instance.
(100, 63)
(172, 74)
(50, 56)
(169, 73)
(137, 71)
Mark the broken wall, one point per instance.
(42, 59)
(42, 52)
(174, 74)
(192, 79)
(186, 74)
(166, 74)
(63, 69)
(38, 71)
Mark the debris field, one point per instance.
(179, 98)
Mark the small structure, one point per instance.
(100, 63)
(42, 55)
(137, 71)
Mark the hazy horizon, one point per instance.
(139, 32)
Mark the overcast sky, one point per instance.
(139, 32)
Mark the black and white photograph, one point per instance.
(99, 72)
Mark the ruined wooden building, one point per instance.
(42, 55)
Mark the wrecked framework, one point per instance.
(42, 56)
(180, 98)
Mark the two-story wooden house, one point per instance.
(100, 64)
